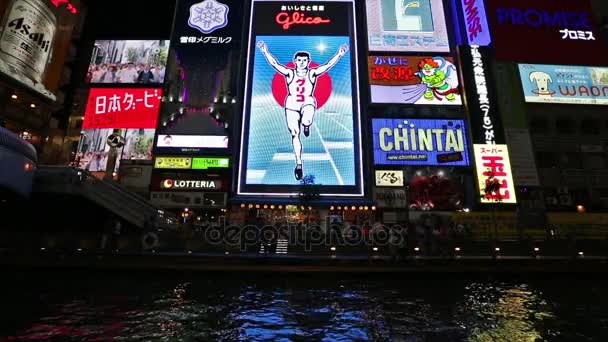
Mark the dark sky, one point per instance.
(115, 19)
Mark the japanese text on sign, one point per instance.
(481, 85)
(494, 167)
(122, 107)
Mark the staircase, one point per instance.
(68, 180)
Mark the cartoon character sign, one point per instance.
(414, 80)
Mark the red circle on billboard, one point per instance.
(322, 90)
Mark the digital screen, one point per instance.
(172, 163)
(493, 166)
(301, 112)
(94, 151)
(414, 80)
(122, 107)
(564, 84)
(207, 163)
(546, 31)
(128, 62)
(34, 42)
(420, 142)
(406, 25)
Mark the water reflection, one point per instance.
(290, 308)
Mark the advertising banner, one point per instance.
(546, 31)
(172, 163)
(301, 111)
(186, 163)
(476, 22)
(205, 53)
(122, 107)
(94, 151)
(207, 163)
(128, 62)
(493, 165)
(413, 80)
(564, 84)
(179, 184)
(32, 52)
(400, 25)
(420, 142)
(486, 124)
(389, 178)
(185, 142)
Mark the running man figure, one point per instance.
(300, 104)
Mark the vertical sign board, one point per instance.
(301, 105)
(204, 43)
(476, 22)
(481, 98)
(493, 161)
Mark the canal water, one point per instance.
(96, 306)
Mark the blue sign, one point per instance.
(564, 84)
(476, 22)
(420, 142)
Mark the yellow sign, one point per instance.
(493, 166)
(173, 163)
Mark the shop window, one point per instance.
(565, 126)
(590, 126)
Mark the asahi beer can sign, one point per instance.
(27, 37)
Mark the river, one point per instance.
(168, 306)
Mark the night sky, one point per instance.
(113, 19)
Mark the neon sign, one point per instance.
(536, 18)
(478, 31)
(286, 21)
(68, 5)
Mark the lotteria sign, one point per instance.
(564, 84)
(420, 142)
(549, 31)
(476, 22)
(184, 184)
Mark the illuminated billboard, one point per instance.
(128, 62)
(404, 25)
(546, 31)
(301, 111)
(35, 37)
(94, 151)
(476, 22)
(420, 142)
(413, 80)
(186, 163)
(564, 84)
(493, 166)
(122, 108)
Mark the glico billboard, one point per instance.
(398, 25)
(546, 31)
(564, 84)
(413, 80)
(420, 142)
(301, 108)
